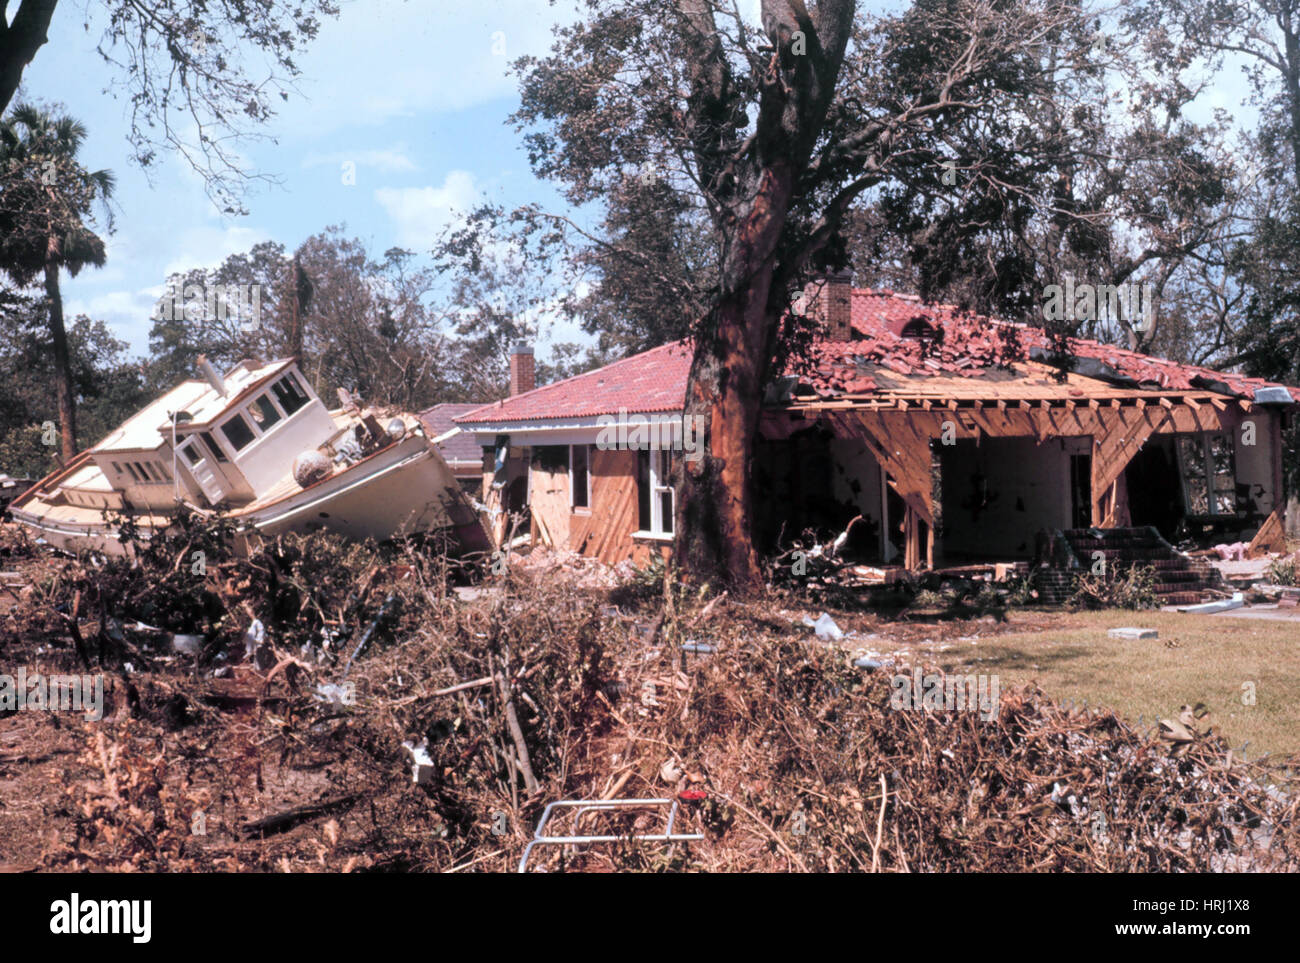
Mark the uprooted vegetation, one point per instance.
(538, 690)
(1129, 587)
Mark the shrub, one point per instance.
(1282, 571)
(1133, 587)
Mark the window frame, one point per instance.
(655, 471)
(1204, 463)
(254, 434)
(584, 509)
(277, 412)
(210, 447)
(294, 389)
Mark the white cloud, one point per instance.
(420, 213)
(207, 247)
(414, 61)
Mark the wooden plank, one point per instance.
(1114, 447)
(1269, 538)
(548, 499)
(606, 533)
(902, 446)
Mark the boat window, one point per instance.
(187, 450)
(289, 393)
(131, 470)
(264, 412)
(143, 469)
(217, 452)
(238, 433)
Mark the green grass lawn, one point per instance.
(1197, 658)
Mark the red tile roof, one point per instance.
(458, 450)
(654, 380)
(970, 344)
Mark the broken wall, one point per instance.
(816, 480)
(548, 495)
(1255, 462)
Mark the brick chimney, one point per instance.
(522, 371)
(835, 306)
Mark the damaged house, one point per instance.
(953, 437)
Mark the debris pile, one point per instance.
(347, 711)
(812, 770)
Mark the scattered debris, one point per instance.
(1206, 608)
(1132, 633)
(825, 628)
(583, 806)
(422, 769)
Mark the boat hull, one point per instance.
(405, 489)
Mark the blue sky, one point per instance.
(414, 93)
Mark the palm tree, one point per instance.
(46, 198)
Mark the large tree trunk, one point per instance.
(715, 499)
(714, 516)
(62, 365)
(19, 42)
(1291, 79)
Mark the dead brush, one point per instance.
(809, 769)
(129, 816)
(507, 695)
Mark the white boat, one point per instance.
(259, 445)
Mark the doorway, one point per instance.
(1081, 491)
(1154, 489)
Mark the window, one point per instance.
(264, 412)
(289, 392)
(188, 453)
(579, 476)
(215, 450)
(655, 492)
(143, 468)
(238, 433)
(1209, 474)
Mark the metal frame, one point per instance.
(604, 805)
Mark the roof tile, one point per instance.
(966, 345)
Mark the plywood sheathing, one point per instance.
(548, 499)
(1269, 538)
(1116, 439)
(606, 533)
(901, 443)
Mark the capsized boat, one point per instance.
(260, 445)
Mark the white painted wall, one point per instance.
(1255, 462)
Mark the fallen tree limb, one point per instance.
(285, 820)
